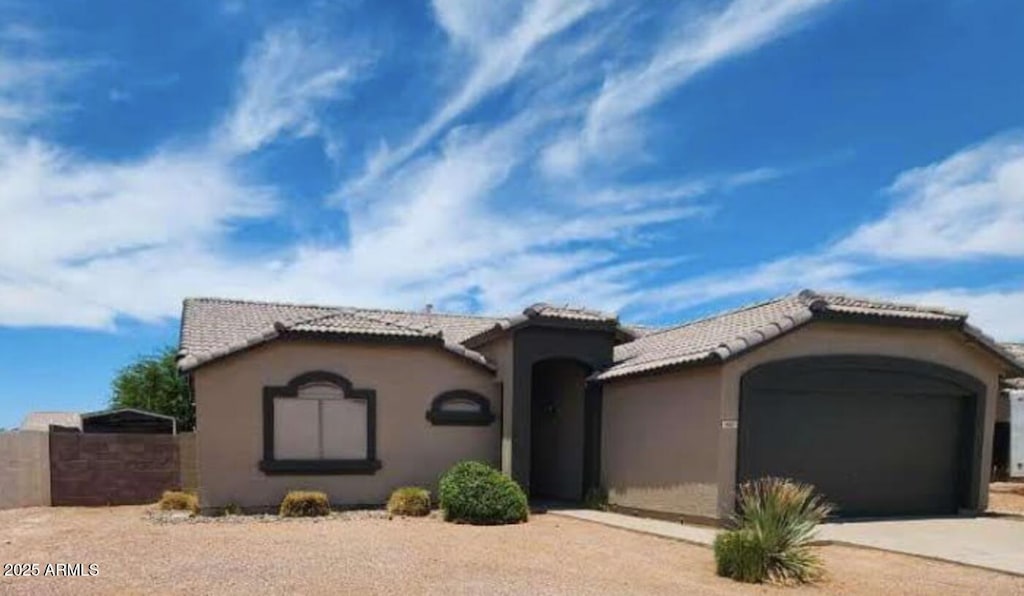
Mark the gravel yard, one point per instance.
(1006, 497)
(364, 553)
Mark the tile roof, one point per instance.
(722, 336)
(213, 327)
(543, 310)
(43, 420)
(576, 313)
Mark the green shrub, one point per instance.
(409, 500)
(232, 509)
(475, 493)
(305, 503)
(740, 556)
(177, 500)
(776, 522)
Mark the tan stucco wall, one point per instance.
(24, 469)
(660, 442)
(406, 378)
(948, 348)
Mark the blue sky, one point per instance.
(660, 159)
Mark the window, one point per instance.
(460, 408)
(319, 424)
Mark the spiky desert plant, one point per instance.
(777, 520)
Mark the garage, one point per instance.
(878, 436)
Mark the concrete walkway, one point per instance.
(700, 535)
(989, 543)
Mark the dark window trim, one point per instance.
(438, 416)
(271, 466)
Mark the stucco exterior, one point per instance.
(660, 442)
(660, 413)
(946, 347)
(669, 440)
(229, 408)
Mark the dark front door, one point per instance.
(557, 430)
(878, 437)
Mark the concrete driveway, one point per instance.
(992, 543)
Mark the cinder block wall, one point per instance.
(112, 469)
(24, 469)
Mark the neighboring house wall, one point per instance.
(111, 469)
(660, 442)
(229, 407)
(1003, 407)
(24, 469)
(189, 477)
(818, 339)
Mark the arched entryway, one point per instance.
(558, 429)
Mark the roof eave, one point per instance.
(742, 345)
(190, 363)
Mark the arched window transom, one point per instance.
(460, 408)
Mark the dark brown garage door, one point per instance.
(877, 436)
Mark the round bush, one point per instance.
(409, 500)
(475, 493)
(305, 503)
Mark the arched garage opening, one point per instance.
(877, 436)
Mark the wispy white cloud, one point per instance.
(31, 79)
(778, 276)
(59, 212)
(610, 127)
(966, 206)
(995, 310)
(634, 195)
(498, 51)
(444, 226)
(969, 205)
(286, 79)
(83, 241)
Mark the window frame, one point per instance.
(270, 465)
(439, 416)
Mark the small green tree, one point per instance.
(153, 383)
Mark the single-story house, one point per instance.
(116, 420)
(887, 408)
